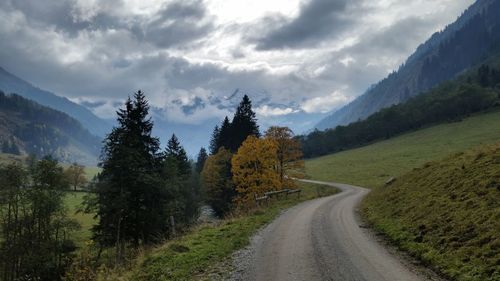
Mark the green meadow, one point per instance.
(374, 164)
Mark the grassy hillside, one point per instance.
(372, 165)
(447, 213)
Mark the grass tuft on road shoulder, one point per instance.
(194, 255)
(446, 213)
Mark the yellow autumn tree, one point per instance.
(289, 155)
(253, 168)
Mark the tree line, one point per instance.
(243, 164)
(473, 92)
(141, 190)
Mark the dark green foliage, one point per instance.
(35, 230)
(183, 184)
(476, 91)
(226, 134)
(214, 139)
(231, 135)
(243, 125)
(139, 188)
(28, 126)
(131, 195)
(177, 152)
(474, 41)
(200, 160)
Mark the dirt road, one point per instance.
(322, 240)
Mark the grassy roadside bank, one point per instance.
(372, 165)
(194, 255)
(446, 213)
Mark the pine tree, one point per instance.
(176, 151)
(130, 193)
(183, 188)
(200, 162)
(214, 145)
(225, 135)
(244, 124)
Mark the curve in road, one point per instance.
(322, 240)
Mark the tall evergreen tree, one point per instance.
(225, 134)
(200, 161)
(130, 195)
(175, 150)
(243, 125)
(222, 136)
(183, 190)
(214, 145)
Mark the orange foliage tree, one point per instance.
(253, 168)
(288, 155)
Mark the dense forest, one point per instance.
(477, 90)
(29, 128)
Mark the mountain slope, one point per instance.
(372, 165)
(476, 90)
(446, 213)
(10, 83)
(29, 128)
(465, 43)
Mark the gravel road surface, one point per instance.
(320, 239)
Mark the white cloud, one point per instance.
(268, 111)
(325, 103)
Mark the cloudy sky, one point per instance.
(306, 55)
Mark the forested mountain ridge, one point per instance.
(474, 91)
(461, 45)
(29, 128)
(10, 83)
